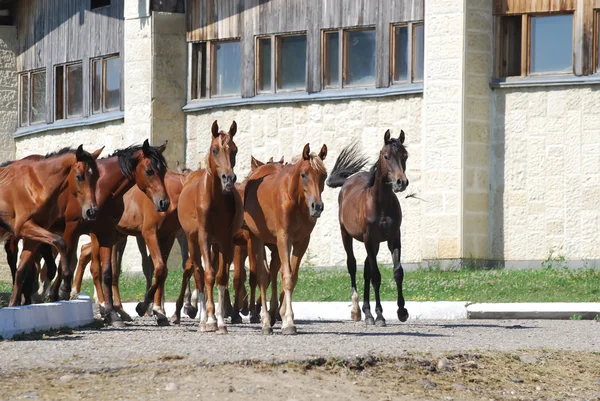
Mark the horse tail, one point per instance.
(348, 163)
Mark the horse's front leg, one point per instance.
(105, 242)
(222, 279)
(189, 269)
(396, 250)
(160, 275)
(204, 242)
(23, 271)
(12, 253)
(370, 261)
(351, 265)
(190, 307)
(239, 280)
(117, 259)
(287, 314)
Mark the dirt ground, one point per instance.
(427, 360)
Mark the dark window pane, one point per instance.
(226, 68)
(99, 3)
(552, 44)
(199, 67)
(264, 65)
(332, 60)
(418, 52)
(291, 73)
(401, 56)
(112, 90)
(59, 93)
(24, 100)
(511, 46)
(360, 58)
(38, 97)
(97, 86)
(74, 90)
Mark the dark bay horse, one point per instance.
(281, 206)
(210, 211)
(29, 189)
(370, 212)
(143, 166)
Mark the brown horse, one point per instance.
(156, 229)
(370, 212)
(143, 166)
(281, 207)
(29, 189)
(211, 211)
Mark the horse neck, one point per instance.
(112, 182)
(173, 186)
(58, 169)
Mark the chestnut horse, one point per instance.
(29, 189)
(281, 206)
(143, 166)
(211, 211)
(370, 213)
(157, 230)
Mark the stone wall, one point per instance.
(545, 173)
(283, 130)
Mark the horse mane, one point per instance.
(84, 156)
(128, 162)
(395, 148)
(315, 162)
(6, 163)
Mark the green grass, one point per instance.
(497, 285)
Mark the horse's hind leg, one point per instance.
(190, 306)
(351, 265)
(85, 256)
(370, 261)
(395, 249)
(376, 280)
(239, 278)
(47, 254)
(12, 253)
(189, 269)
(22, 273)
(117, 259)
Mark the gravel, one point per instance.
(142, 341)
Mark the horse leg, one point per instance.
(12, 253)
(372, 250)
(49, 265)
(376, 280)
(105, 241)
(160, 275)
(252, 280)
(239, 278)
(395, 249)
(29, 248)
(274, 268)
(351, 265)
(166, 244)
(117, 258)
(96, 271)
(222, 279)
(209, 281)
(31, 283)
(287, 314)
(190, 307)
(256, 253)
(188, 270)
(85, 256)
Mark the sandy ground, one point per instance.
(485, 360)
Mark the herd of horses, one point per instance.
(48, 202)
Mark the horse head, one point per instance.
(312, 175)
(392, 162)
(221, 156)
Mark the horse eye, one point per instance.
(386, 157)
(149, 172)
(215, 151)
(79, 177)
(303, 176)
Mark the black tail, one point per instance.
(349, 162)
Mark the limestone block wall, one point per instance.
(545, 187)
(284, 129)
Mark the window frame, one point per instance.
(275, 65)
(91, 76)
(28, 107)
(596, 42)
(410, 27)
(209, 78)
(65, 91)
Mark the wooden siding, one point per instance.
(504, 7)
(246, 19)
(52, 32)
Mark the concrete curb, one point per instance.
(38, 317)
(440, 310)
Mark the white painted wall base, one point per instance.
(26, 319)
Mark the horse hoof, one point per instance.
(162, 321)
(267, 331)
(245, 311)
(141, 309)
(356, 316)
(380, 322)
(236, 319)
(191, 311)
(289, 331)
(403, 315)
(278, 318)
(255, 319)
(211, 327)
(125, 316)
(202, 328)
(114, 320)
(175, 319)
(369, 321)
(222, 330)
(36, 298)
(74, 296)
(64, 295)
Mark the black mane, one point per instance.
(128, 162)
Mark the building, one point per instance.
(498, 100)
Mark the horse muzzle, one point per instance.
(162, 205)
(399, 185)
(90, 213)
(228, 182)
(316, 208)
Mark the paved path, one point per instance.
(142, 340)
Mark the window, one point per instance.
(407, 55)
(224, 60)
(106, 84)
(284, 69)
(32, 98)
(99, 3)
(351, 63)
(546, 42)
(68, 91)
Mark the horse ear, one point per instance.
(401, 137)
(281, 160)
(162, 147)
(146, 148)
(233, 129)
(97, 153)
(215, 129)
(323, 152)
(79, 153)
(254, 163)
(306, 152)
(386, 137)
(270, 159)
